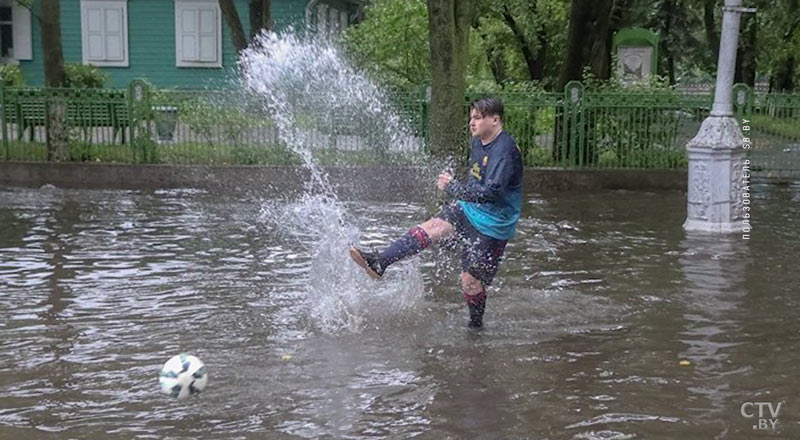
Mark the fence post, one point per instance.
(3, 120)
(573, 125)
(139, 111)
(742, 100)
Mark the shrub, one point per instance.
(82, 76)
(11, 75)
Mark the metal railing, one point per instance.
(579, 128)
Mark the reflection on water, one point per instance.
(600, 297)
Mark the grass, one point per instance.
(783, 127)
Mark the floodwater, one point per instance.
(600, 298)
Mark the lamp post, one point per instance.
(716, 153)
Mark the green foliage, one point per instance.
(538, 157)
(536, 24)
(778, 37)
(11, 75)
(654, 83)
(82, 76)
(392, 42)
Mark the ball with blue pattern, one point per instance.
(182, 376)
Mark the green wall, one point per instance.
(151, 46)
(151, 43)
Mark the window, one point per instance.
(198, 33)
(104, 32)
(322, 19)
(326, 19)
(6, 33)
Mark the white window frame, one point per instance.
(209, 4)
(322, 18)
(110, 4)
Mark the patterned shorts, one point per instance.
(480, 254)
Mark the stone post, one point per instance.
(716, 153)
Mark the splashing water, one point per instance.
(304, 85)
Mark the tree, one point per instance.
(54, 75)
(449, 24)
(587, 40)
(710, 26)
(231, 17)
(259, 14)
(520, 37)
(787, 60)
(674, 22)
(391, 43)
(746, 54)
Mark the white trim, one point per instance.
(198, 5)
(310, 8)
(21, 25)
(121, 5)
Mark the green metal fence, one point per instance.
(772, 124)
(578, 128)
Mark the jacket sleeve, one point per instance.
(497, 177)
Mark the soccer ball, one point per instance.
(182, 376)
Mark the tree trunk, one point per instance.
(532, 61)
(587, 43)
(784, 79)
(57, 129)
(494, 57)
(259, 16)
(666, 38)
(448, 26)
(712, 34)
(600, 56)
(231, 17)
(746, 54)
(587, 40)
(51, 43)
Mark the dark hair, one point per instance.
(487, 107)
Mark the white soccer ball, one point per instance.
(182, 376)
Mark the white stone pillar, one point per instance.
(716, 153)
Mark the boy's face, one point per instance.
(481, 126)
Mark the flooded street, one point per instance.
(601, 296)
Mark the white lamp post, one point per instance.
(716, 153)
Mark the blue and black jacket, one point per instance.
(491, 197)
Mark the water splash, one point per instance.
(317, 100)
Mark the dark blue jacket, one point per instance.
(491, 197)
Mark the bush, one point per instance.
(82, 76)
(11, 75)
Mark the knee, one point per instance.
(470, 284)
(436, 228)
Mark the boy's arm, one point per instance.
(497, 176)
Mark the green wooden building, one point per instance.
(171, 43)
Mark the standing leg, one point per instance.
(479, 263)
(475, 294)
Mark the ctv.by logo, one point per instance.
(748, 410)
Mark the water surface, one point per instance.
(602, 294)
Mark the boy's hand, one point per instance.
(444, 179)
